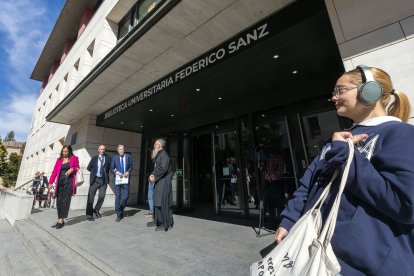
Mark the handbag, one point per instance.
(79, 177)
(307, 250)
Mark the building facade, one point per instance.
(239, 89)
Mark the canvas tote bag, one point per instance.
(306, 250)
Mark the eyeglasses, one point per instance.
(339, 90)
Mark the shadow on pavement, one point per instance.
(77, 219)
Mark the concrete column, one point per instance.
(89, 138)
(376, 33)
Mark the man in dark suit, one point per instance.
(99, 179)
(121, 167)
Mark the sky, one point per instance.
(25, 25)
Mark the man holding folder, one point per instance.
(121, 167)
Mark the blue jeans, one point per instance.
(150, 194)
(121, 198)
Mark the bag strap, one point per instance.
(329, 227)
(325, 193)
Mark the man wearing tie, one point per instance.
(121, 167)
(99, 179)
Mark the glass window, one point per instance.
(145, 7)
(274, 166)
(318, 128)
(124, 27)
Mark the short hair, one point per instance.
(101, 146)
(117, 148)
(161, 141)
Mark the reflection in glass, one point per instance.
(274, 165)
(318, 128)
(228, 190)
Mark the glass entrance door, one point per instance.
(216, 182)
(227, 174)
(268, 165)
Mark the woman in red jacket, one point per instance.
(64, 172)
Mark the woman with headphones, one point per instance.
(374, 232)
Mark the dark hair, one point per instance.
(69, 148)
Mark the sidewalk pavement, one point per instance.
(193, 247)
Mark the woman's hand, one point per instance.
(280, 234)
(68, 172)
(343, 135)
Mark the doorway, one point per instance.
(249, 165)
(216, 176)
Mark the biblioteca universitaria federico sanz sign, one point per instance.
(232, 47)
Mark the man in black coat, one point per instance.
(99, 179)
(162, 176)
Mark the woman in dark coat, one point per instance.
(64, 173)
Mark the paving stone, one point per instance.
(51, 253)
(193, 247)
(16, 258)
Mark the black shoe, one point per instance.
(122, 215)
(152, 223)
(90, 218)
(118, 219)
(59, 225)
(160, 228)
(97, 214)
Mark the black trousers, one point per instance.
(97, 184)
(158, 215)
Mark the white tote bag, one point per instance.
(79, 177)
(306, 250)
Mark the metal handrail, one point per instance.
(24, 184)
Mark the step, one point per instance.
(89, 260)
(16, 258)
(51, 253)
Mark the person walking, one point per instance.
(377, 205)
(99, 179)
(64, 177)
(121, 166)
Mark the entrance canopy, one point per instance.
(154, 85)
(289, 57)
(174, 34)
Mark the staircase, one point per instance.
(28, 249)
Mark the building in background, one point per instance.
(13, 147)
(230, 84)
